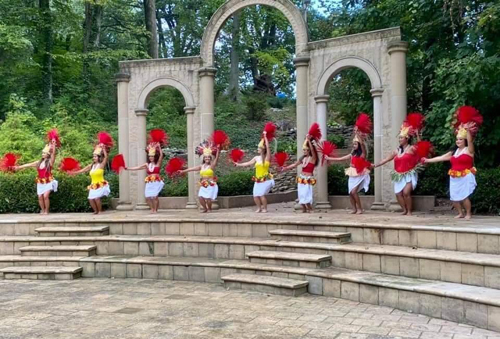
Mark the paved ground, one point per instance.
(115, 308)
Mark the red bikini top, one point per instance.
(309, 168)
(156, 170)
(44, 172)
(462, 162)
(406, 162)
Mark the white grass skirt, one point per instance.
(363, 181)
(153, 189)
(461, 188)
(305, 193)
(41, 189)
(209, 192)
(400, 185)
(260, 189)
(100, 192)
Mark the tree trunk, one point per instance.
(162, 45)
(98, 24)
(47, 43)
(234, 76)
(87, 33)
(150, 18)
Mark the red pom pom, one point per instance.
(69, 165)
(466, 114)
(315, 132)
(118, 163)
(281, 158)
(364, 123)
(220, 138)
(54, 135)
(327, 149)
(8, 161)
(416, 120)
(270, 129)
(159, 136)
(173, 166)
(105, 139)
(236, 155)
(360, 164)
(423, 148)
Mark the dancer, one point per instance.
(358, 171)
(263, 180)
(309, 160)
(45, 182)
(154, 182)
(208, 181)
(406, 162)
(99, 187)
(462, 173)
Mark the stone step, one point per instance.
(265, 284)
(311, 236)
(41, 272)
(69, 250)
(62, 231)
(290, 259)
(18, 260)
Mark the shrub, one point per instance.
(175, 188)
(18, 193)
(337, 181)
(255, 106)
(337, 140)
(434, 180)
(236, 183)
(485, 198)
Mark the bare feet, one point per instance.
(304, 210)
(460, 216)
(204, 211)
(360, 212)
(354, 212)
(405, 212)
(468, 217)
(409, 214)
(258, 211)
(264, 211)
(209, 211)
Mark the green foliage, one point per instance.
(236, 183)
(175, 188)
(337, 140)
(18, 193)
(485, 198)
(434, 180)
(255, 106)
(287, 145)
(337, 180)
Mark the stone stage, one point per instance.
(429, 264)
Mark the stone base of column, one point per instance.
(191, 205)
(124, 206)
(394, 207)
(378, 206)
(142, 207)
(215, 205)
(323, 205)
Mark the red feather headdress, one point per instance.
(8, 161)
(315, 132)
(281, 158)
(105, 139)
(69, 165)
(416, 121)
(219, 138)
(236, 155)
(173, 166)
(467, 119)
(118, 163)
(327, 149)
(54, 135)
(158, 136)
(363, 124)
(270, 129)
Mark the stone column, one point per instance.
(322, 171)
(377, 145)
(190, 150)
(207, 84)
(141, 157)
(122, 80)
(302, 78)
(397, 51)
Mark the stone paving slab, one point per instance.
(115, 308)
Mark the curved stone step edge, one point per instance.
(289, 256)
(303, 233)
(265, 280)
(42, 270)
(59, 248)
(437, 288)
(71, 229)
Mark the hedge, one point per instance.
(18, 193)
(337, 181)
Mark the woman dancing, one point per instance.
(406, 162)
(45, 182)
(263, 180)
(208, 181)
(154, 182)
(462, 173)
(309, 160)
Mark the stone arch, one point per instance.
(163, 82)
(348, 62)
(224, 12)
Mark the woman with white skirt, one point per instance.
(154, 182)
(208, 181)
(45, 182)
(462, 173)
(263, 180)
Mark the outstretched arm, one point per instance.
(345, 157)
(470, 142)
(314, 153)
(192, 169)
(53, 154)
(105, 158)
(245, 164)
(31, 164)
(83, 170)
(444, 157)
(136, 168)
(268, 149)
(216, 160)
(386, 160)
(291, 166)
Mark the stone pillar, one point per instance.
(141, 157)
(190, 150)
(122, 80)
(322, 171)
(397, 51)
(207, 84)
(302, 78)
(377, 146)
